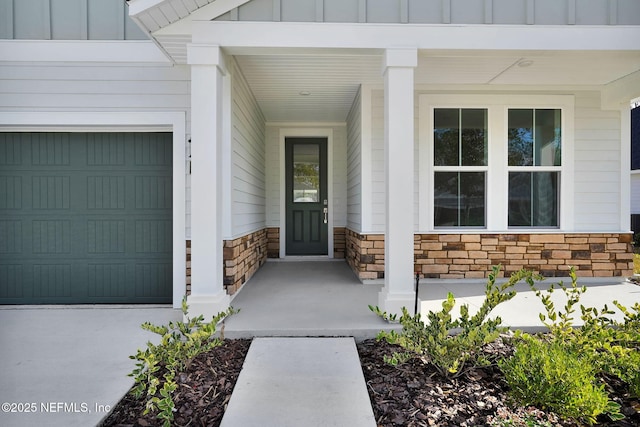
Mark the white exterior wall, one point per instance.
(378, 193)
(635, 192)
(354, 165)
(248, 179)
(597, 166)
(337, 166)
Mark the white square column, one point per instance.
(398, 288)
(208, 296)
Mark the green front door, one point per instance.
(306, 196)
(85, 218)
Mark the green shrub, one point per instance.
(552, 377)
(157, 365)
(612, 347)
(453, 346)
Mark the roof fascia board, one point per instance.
(205, 13)
(621, 91)
(140, 6)
(435, 37)
(109, 51)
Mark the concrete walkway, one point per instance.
(292, 382)
(67, 365)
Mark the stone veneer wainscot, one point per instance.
(466, 256)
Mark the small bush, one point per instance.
(612, 347)
(157, 365)
(551, 377)
(453, 346)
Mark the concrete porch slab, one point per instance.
(292, 382)
(305, 298)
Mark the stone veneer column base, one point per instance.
(339, 242)
(468, 256)
(365, 254)
(273, 242)
(242, 258)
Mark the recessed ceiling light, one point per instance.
(525, 63)
(304, 93)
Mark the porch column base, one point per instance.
(392, 302)
(208, 305)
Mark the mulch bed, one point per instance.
(412, 394)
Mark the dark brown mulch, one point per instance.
(414, 394)
(203, 390)
(410, 395)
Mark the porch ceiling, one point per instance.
(279, 81)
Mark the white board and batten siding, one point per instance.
(501, 12)
(248, 171)
(67, 20)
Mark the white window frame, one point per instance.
(461, 169)
(497, 194)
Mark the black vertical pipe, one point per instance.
(415, 308)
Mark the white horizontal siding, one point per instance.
(272, 158)
(339, 172)
(354, 165)
(597, 165)
(378, 190)
(248, 158)
(635, 193)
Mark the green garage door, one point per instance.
(85, 218)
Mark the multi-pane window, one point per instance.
(460, 166)
(534, 160)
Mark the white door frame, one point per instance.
(305, 132)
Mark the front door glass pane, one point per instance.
(306, 173)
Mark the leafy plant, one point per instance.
(157, 365)
(551, 376)
(612, 347)
(453, 346)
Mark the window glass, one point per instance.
(459, 199)
(460, 137)
(306, 173)
(534, 199)
(534, 137)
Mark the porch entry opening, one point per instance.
(307, 205)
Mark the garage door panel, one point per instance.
(107, 280)
(85, 218)
(11, 278)
(153, 192)
(50, 149)
(10, 236)
(51, 281)
(106, 193)
(152, 279)
(10, 192)
(106, 236)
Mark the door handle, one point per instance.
(326, 211)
